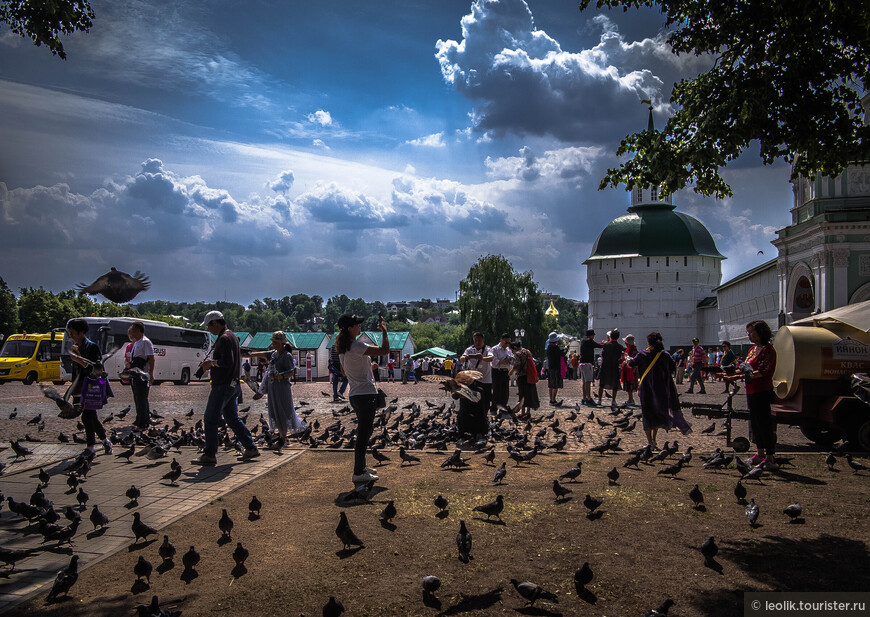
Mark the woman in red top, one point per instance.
(629, 379)
(759, 392)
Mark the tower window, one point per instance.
(654, 193)
(685, 260)
(629, 262)
(647, 262)
(678, 276)
(667, 261)
(638, 194)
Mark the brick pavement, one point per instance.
(110, 477)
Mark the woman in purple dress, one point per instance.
(659, 402)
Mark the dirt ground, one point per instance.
(643, 548)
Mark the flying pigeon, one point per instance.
(116, 286)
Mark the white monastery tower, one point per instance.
(655, 269)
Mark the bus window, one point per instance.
(18, 349)
(54, 351)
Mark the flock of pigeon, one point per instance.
(407, 430)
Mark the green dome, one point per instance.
(650, 230)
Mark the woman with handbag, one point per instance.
(356, 366)
(659, 402)
(524, 370)
(90, 390)
(282, 412)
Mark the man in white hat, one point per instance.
(225, 367)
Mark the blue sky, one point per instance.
(373, 149)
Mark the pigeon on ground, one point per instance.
(389, 512)
(493, 508)
(72, 481)
(166, 550)
(633, 460)
(583, 575)
(560, 491)
(133, 494)
(431, 584)
(255, 506)
(240, 554)
(740, 491)
(573, 473)
(696, 496)
(361, 492)
(612, 476)
(830, 461)
(592, 503)
(65, 534)
(225, 524)
(499, 475)
(407, 458)
(793, 511)
(380, 458)
(345, 534)
(140, 529)
(172, 476)
(532, 592)
(64, 581)
(142, 569)
(19, 450)
(661, 611)
(10, 556)
(441, 503)
(463, 542)
(709, 429)
(333, 608)
(190, 559)
(856, 465)
(754, 474)
(35, 420)
(752, 512)
(709, 550)
(116, 286)
(672, 470)
(70, 514)
(489, 457)
(98, 519)
(154, 610)
(44, 478)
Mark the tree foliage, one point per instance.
(43, 21)
(9, 323)
(787, 73)
(494, 298)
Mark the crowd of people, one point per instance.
(651, 373)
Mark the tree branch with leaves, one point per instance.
(43, 21)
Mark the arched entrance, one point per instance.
(803, 299)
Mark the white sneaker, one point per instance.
(107, 446)
(364, 477)
(371, 471)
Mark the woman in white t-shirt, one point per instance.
(363, 396)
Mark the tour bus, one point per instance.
(178, 352)
(31, 357)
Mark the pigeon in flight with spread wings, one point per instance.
(117, 286)
(459, 384)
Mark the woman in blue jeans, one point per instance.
(357, 367)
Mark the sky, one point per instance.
(373, 149)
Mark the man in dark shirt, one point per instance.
(611, 354)
(587, 359)
(225, 367)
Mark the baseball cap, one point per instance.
(211, 316)
(347, 320)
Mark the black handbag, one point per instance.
(382, 399)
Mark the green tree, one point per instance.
(9, 323)
(40, 310)
(787, 73)
(169, 319)
(42, 21)
(494, 298)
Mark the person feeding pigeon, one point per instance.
(88, 360)
(758, 372)
(225, 367)
(363, 396)
(282, 412)
(659, 402)
(471, 418)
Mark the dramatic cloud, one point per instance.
(346, 209)
(562, 164)
(524, 82)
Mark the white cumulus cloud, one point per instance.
(436, 140)
(321, 117)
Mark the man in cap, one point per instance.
(587, 359)
(225, 368)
